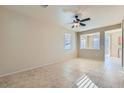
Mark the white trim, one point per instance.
(31, 68)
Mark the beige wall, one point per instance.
(92, 53)
(90, 41)
(26, 42)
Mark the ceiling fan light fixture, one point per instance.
(76, 25)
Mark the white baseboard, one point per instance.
(31, 68)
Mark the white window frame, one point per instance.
(83, 42)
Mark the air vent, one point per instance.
(44, 6)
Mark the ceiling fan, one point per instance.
(79, 22)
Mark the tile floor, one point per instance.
(64, 74)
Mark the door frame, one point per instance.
(122, 29)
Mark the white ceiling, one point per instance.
(100, 15)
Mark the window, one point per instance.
(83, 42)
(96, 41)
(90, 41)
(67, 41)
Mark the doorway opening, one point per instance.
(113, 46)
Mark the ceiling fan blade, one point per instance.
(73, 26)
(86, 19)
(82, 24)
(78, 19)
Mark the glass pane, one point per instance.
(67, 41)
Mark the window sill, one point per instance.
(89, 49)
